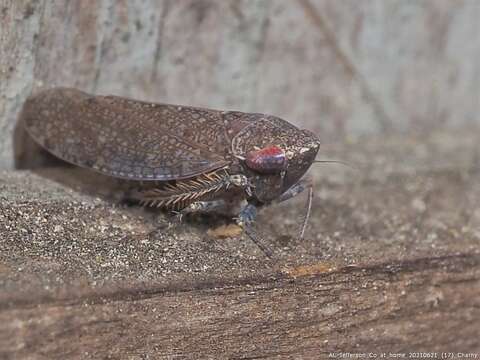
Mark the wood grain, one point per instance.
(390, 263)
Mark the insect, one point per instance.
(181, 158)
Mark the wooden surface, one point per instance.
(336, 67)
(390, 263)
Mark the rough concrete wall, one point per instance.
(340, 68)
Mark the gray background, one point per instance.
(340, 68)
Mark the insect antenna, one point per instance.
(310, 193)
(307, 212)
(344, 163)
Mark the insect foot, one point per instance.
(178, 216)
(247, 216)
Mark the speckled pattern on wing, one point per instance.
(127, 138)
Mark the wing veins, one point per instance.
(192, 144)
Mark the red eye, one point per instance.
(268, 160)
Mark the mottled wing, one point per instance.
(127, 138)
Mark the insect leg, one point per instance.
(202, 207)
(246, 219)
(247, 216)
(296, 189)
(299, 187)
(241, 181)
